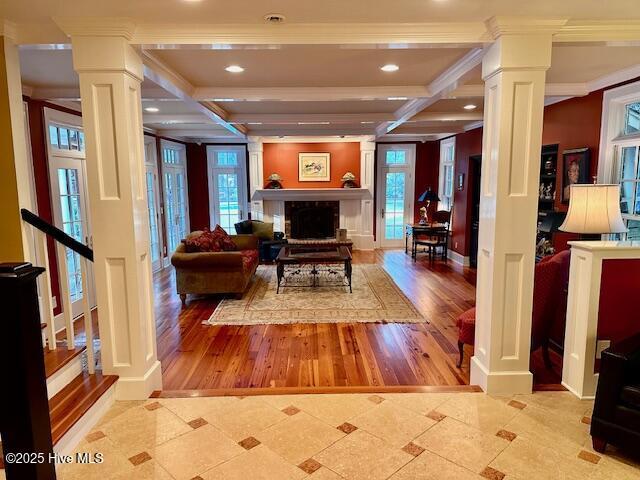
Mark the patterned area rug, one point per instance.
(375, 298)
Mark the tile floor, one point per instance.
(358, 436)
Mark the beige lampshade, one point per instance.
(594, 209)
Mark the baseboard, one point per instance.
(458, 258)
(139, 388)
(74, 436)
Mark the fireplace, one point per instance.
(310, 219)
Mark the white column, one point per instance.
(513, 69)
(367, 171)
(256, 176)
(110, 74)
(583, 305)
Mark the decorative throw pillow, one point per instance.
(263, 230)
(205, 242)
(223, 239)
(244, 227)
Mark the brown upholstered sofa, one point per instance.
(215, 272)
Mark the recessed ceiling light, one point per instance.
(274, 18)
(471, 106)
(390, 67)
(254, 123)
(152, 109)
(223, 99)
(365, 123)
(234, 69)
(396, 98)
(314, 123)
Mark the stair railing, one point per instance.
(41, 230)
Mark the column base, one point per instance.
(139, 388)
(500, 383)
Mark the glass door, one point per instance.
(153, 203)
(227, 185)
(175, 195)
(395, 193)
(70, 215)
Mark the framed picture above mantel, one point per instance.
(314, 167)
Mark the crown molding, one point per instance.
(614, 78)
(503, 25)
(97, 26)
(9, 30)
(599, 31)
(307, 94)
(312, 33)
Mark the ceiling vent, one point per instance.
(274, 18)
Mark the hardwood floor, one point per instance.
(195, 356)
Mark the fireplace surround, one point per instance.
(311, 219)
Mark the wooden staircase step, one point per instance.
(74, 400)
(54, 360)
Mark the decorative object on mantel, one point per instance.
(427, 196)
(575, 168)
(349, 180)
(341, 234)
(274, 182)
(314, 167)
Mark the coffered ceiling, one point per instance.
(319, 72)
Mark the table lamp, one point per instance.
(594, 209)
(428, 196)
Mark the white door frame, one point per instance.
(409, 169)
(64, 158)
(182, 168)
(242, 179)
(151, 163)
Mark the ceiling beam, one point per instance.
(176, 85)
(446, 82)
(307, 94)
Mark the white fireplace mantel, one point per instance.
(292, 194)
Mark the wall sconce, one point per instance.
(460, 181)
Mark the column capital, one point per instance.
(503, 25)
(368, 144)
(97, 26)
(254, 144)
(105, 54)
(528, 49)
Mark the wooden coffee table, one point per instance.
(331, 257)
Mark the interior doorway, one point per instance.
(475, 173)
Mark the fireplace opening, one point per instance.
(308, 219)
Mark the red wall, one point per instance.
(282, 158)
(573, 123)
(467, 144)
(427, 166)
(198, 185)
(619, 317)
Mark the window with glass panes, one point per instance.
(629, 175)
(447, 159)
(66, 138)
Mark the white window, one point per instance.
(619, 160)
(445, 183)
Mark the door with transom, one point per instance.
(227, 185)
(395, 192)
(66, 154)
(153, 203)
(174, 182)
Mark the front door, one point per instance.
(395, 192)
(153, 203)
(227, 185)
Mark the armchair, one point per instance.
(616, 413)
(267, 248)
